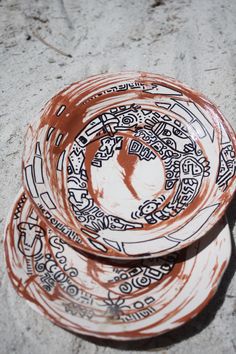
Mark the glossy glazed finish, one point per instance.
(110, 299)
(130, 165)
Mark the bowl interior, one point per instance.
(130, 165)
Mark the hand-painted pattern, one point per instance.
(122, 162)
(101, 299)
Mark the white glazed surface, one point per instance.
(192, 41)
(132, 301)
(130, 165)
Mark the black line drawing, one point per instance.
(107, 149)
(38, 170)
(60, 162)
(154, 135)
(114, 306)
(29, 178)
(19, 206)
(136, 249)
(194, 225)
(49, 133)
(150, 271)
(59, 139)
(33, 215)
(29, 242)
(142, 151)
(113, 244)
(38, 149)
(227, 166)
(157, 89)
(98, 245)
(72, 235)
(195, 118)
(47, 200)
(76, 309)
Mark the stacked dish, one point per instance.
(118, 229)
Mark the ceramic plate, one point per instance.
(131, 165)
(134, 300)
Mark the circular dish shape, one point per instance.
(130, 165)
(119, 300)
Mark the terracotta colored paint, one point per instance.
(109, 298)
(130, 165)
(123, 175)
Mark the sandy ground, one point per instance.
(46, 45)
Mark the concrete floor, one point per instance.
(191, 40)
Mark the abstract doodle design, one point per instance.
(142, 151)
(118, 119)
(117, 159)
(114, 307)
(54, 271)
(107, 149)
(29, 242)
(97, 298)
(85, 210)
(70, 234)
(159, 138)
(227, 167)
(148, 207)
(79, 310)
(144, 275)
(132, 166)
(19, 206)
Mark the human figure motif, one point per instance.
(29, 242)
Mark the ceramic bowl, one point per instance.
(110, 299)
(130, 165)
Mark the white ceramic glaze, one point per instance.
(110, 299)
(130, 165)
